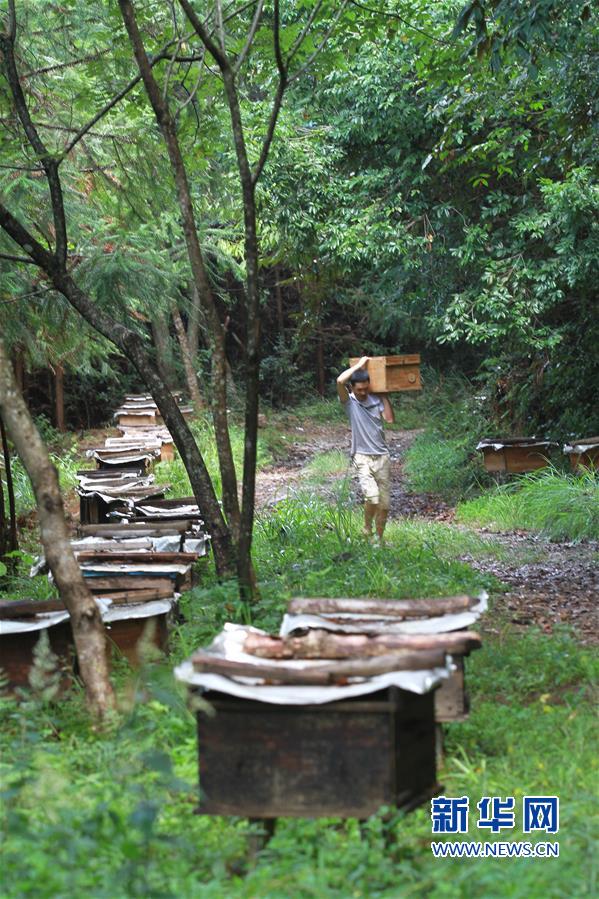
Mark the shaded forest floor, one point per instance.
(110, 814)
(546, 583)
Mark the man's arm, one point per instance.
(388, 413)
(343, 379)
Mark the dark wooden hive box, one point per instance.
(342, 759)
(16, 653)
(516, 456)
(584, 453)
(129, 634)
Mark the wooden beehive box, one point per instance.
(136, 419)
(389, 374)
(517, 455)
(128, 634)
(17, 653)
(583, 453)
(344, 759)
(451, 699)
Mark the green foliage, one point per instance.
(308, 546)
(110, 814)
(560, 506)
(174, 472)
(442, 459)
(45, 675)
(437, 465)
(67, 463)
(325, 464)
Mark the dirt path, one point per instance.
(548, 583)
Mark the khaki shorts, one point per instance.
(374, 475)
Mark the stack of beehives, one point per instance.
(136, 551)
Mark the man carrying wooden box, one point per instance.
(369, 452)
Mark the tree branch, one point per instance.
(162, 54)
(328, 33)
(67, 65)
(278, 98)
(24, 259)
(300, 38)
(204, 35)
(49, 162)
(393, 15)
(250, 38)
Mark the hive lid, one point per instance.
(229, 645)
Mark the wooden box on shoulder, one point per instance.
(342, 759)
(389, 374)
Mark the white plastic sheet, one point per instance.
(229, 644)
(377, 624)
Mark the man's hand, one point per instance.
(388, 413)
(344, 377)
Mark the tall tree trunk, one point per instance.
(193, 326)
(19, 366)
(132, 345)
(164, 355)
(13, 542)
(86, 621)
(190, 375)
(218, 399)
(59, 397)
(279, 299)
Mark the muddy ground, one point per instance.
(548, 584)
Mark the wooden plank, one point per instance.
(16, 653)
(322, 674)
(134, 558)
(128, 421)
(451, 701)
(112, 583)
(167, 452)
(94, 473)
(520, 459)
(141, 528)
(397, 608)
(29, 608)
(322, 644)
(170, 503)
(389, 374)
(588, 459)
(129, 635)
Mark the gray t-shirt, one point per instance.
(366, 425)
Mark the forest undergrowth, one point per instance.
(109, 813)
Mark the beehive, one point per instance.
(390, 374)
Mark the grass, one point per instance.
(67, 463)
(175, 474)
(324, 465)
(442, 459)
(307, 544)
(110, 814)
(559, 506)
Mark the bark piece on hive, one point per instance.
(321, 644)
(319, 675)
(396, 608)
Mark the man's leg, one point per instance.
(364, 465)
(383, 479)
(381, 521)
(370, 512)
